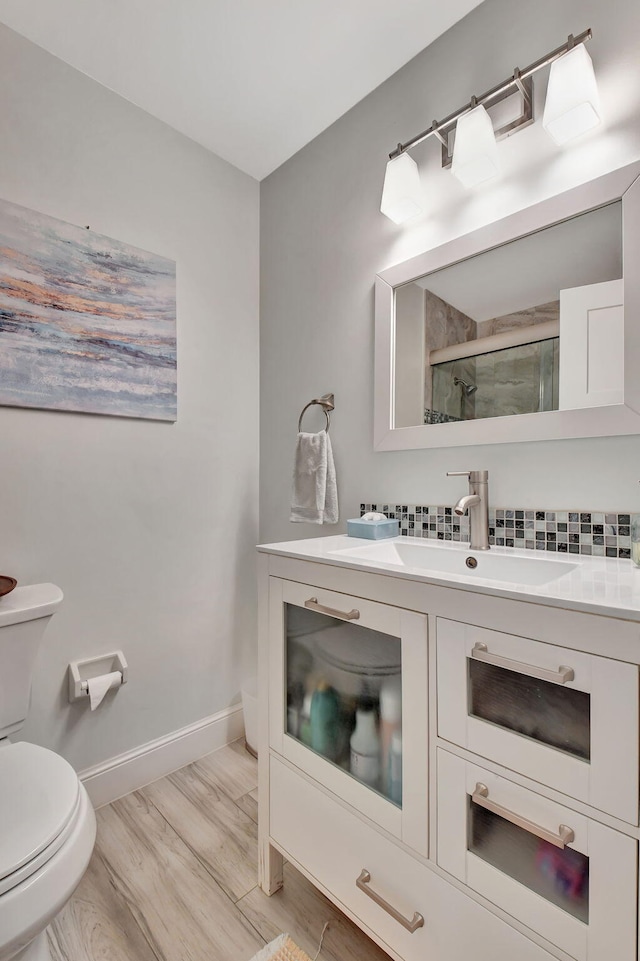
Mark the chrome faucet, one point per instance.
(477, 503)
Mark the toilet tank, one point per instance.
(24, 615)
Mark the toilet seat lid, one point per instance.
(38, 796)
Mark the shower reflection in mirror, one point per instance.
(514, 380)
(510, 330)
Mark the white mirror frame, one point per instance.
(622, 184)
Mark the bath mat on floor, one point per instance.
(282, 949)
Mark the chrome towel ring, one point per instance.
(326, 402)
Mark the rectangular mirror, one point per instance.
(518, 331)
(492, 329)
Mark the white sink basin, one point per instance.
(453, 560)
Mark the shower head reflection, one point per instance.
(467, 389)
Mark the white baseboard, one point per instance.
(120, 775)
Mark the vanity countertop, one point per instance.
(596, 585)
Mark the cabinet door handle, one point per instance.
(417, 921)
(564, 836)
(561, 676)
(313, 605)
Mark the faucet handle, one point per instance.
(475, 476)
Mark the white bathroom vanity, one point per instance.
(516, 833)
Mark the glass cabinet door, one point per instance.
(560, 875)
(344, 695)
(346, 674)
(545, 711)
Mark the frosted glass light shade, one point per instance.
(475, 151)
(573, 105)
(402, 195)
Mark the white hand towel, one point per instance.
(315, 494)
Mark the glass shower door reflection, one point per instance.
(512, 380)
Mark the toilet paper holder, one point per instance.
(80, 672)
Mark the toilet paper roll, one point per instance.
(98, 687)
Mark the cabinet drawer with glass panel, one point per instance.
(348, 701)
(563, 718)
(564, 875)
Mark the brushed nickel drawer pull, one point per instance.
(313, 605)
(564, 836)
(417, 921)
(480, 652)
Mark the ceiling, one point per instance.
(251, 80)
(532, 270)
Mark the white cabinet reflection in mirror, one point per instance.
(512, 332)
(515, 832)
(592, 339)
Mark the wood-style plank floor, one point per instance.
(174, 878)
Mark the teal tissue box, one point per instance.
(373, 530)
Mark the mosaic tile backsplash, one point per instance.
(565, 532)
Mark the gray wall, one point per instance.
(324, 239)
(149, 528)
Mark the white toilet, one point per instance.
(47, 824)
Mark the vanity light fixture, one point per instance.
(572, 107)
(402, 192)
(475, 154)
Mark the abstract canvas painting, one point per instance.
(86, 323)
